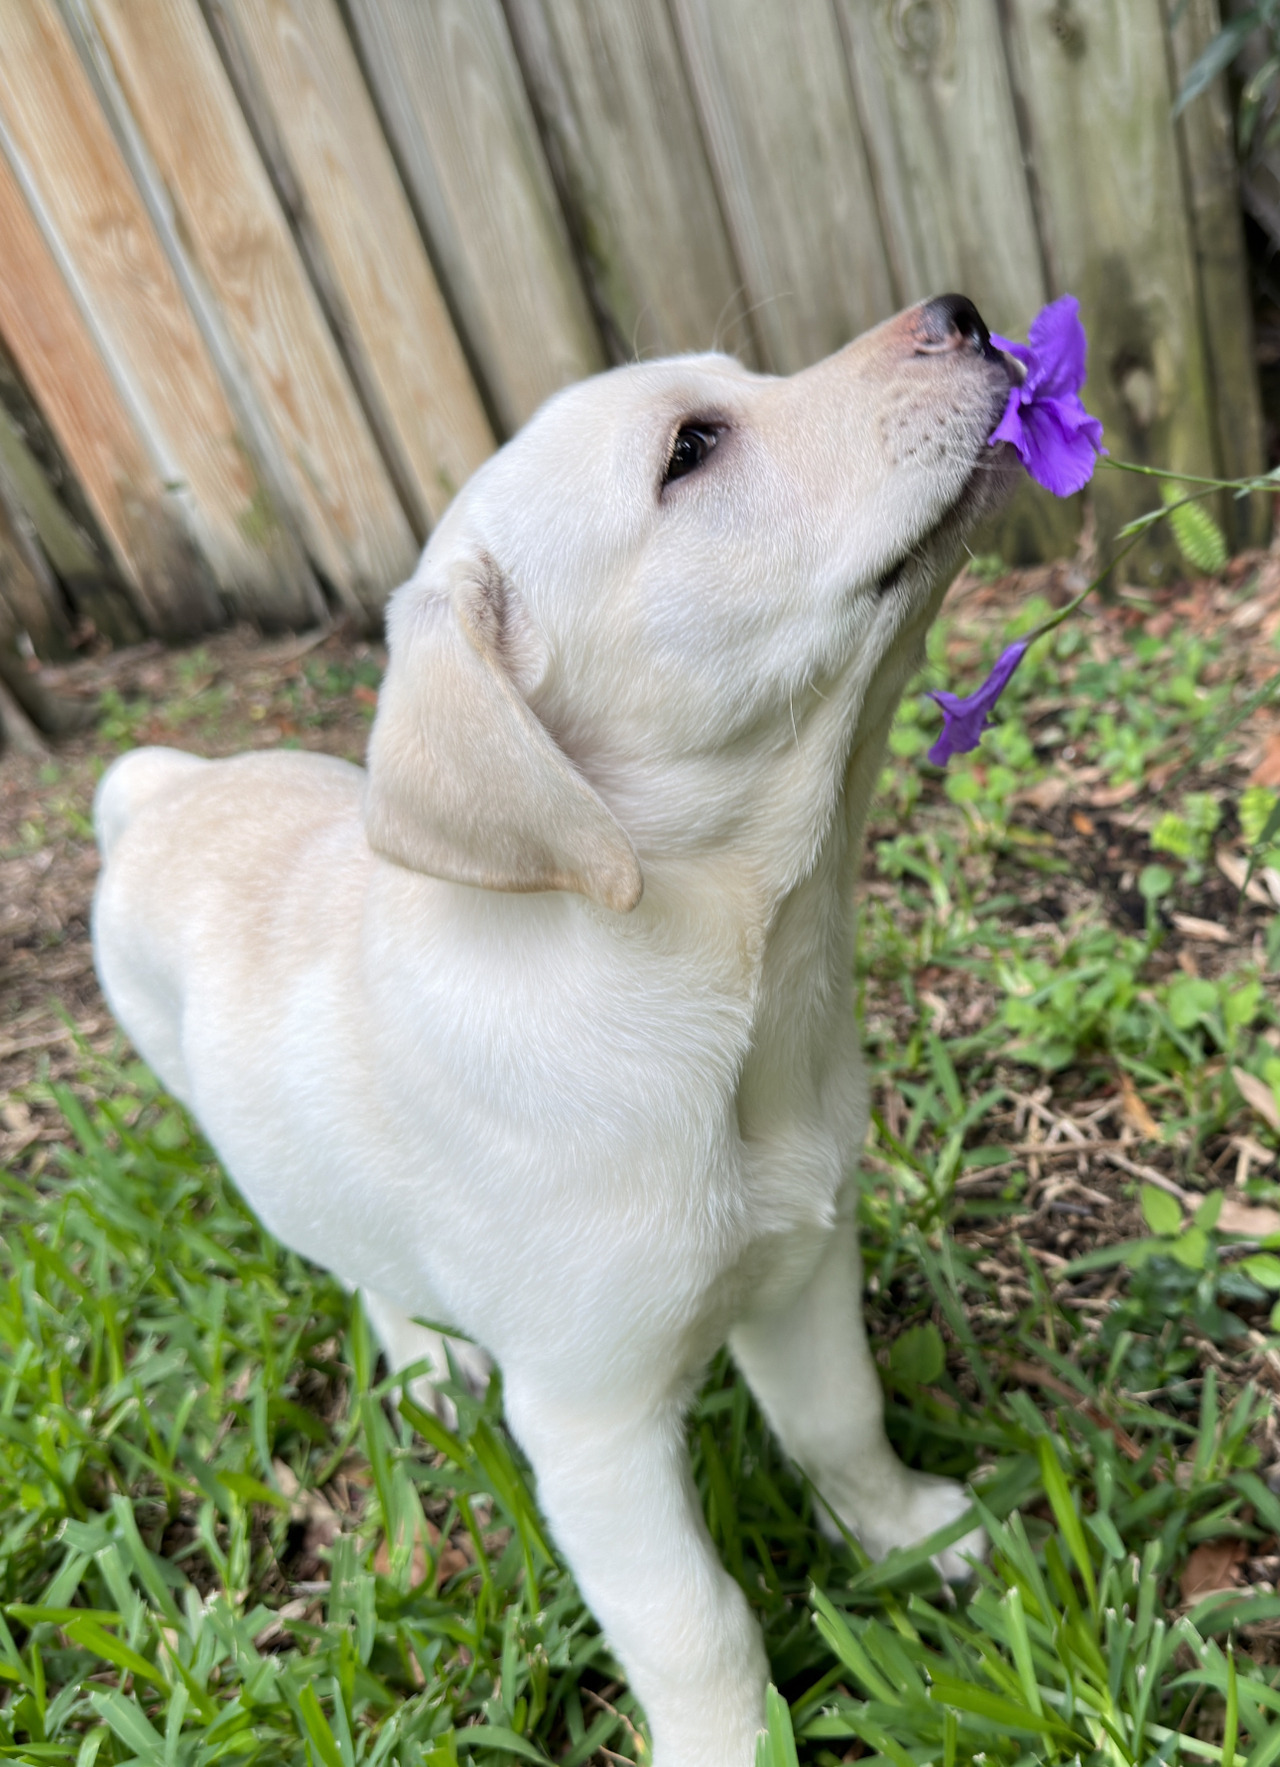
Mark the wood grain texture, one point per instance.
(126, 287)
(777, 110)
(1095, 84)
(613, 98)
(448, 87)
(938, 110)
(940, 120)
(1212, 187)
(350, 193)
(59, 359)
(169, 70)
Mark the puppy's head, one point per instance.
(620, 612)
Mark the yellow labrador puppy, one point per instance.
(542, 1025)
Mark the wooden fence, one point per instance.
(275, 274)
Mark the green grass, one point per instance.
(222, 1540)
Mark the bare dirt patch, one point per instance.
(233, 692)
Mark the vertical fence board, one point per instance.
(147, 336)
(934, 92)
(940, 118)
(1213, 200)
(349, 192)
(1098, 108)
(774, 96)
(448, 86)
(246, 363)
(59, 360)
(614, 100)
(170, 73)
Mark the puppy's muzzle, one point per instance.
(952, 322)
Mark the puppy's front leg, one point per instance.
(616, 1487)
(812, 1372)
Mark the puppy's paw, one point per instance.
(909, 1510)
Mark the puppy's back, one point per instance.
(132, 781)
(219, 878)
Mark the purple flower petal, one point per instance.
(1060, 444)
(1043, 419)
(964, 720)
(1058, 346)
(1009, 428)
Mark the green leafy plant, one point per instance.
(1256, 115)
(1200, 540)
(1189, 836)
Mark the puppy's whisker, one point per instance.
(730, 300)
(641, 314)
(745, 313)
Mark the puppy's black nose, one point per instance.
(952, 322)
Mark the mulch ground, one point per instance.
(230, 693)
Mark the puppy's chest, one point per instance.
(801, 1104)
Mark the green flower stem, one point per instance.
(1064, 613)
(1270, 483)
(1267, 482)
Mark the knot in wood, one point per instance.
(924, 34)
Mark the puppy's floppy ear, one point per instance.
(464, 782)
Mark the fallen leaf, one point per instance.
(286, 1478)
(279, 1624)
(1195, 928)
(1250, 614)
(1235, 868)
(1108, 796)
(309, 1508)
(1047, 794)
(1254, 1151)
(1257, 1093)
(456, 1556)
(1135, 1111)
(1081, 823)
(938, 1007)
(418, 1566)
(1247, 1219)
(1212, 1566)
(1267, 772)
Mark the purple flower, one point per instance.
(964, 720)
(1044, 419)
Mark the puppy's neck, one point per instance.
(773, 897)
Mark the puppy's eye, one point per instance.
(694, 441)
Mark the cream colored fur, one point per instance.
(542, 1028)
